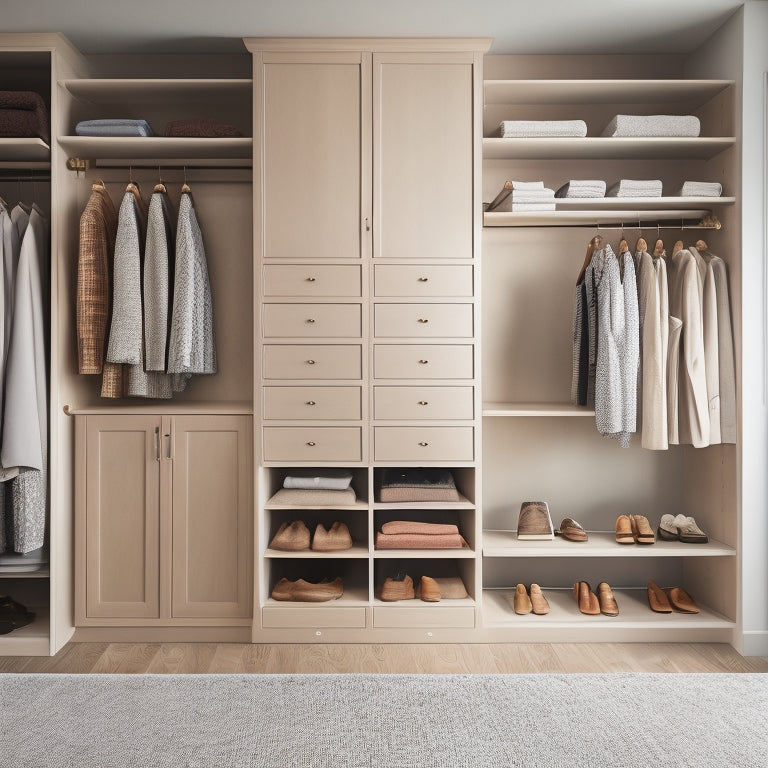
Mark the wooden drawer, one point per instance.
(311, 280)
(307, 403)
(423, 444)
(414, 403)
(312, 444)
(422, 361)
(312, 361)
(423, 320)
(275, 617)
(424, 616)
(320, 320)
(406, 280)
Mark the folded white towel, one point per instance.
(653, 125)
(511, 129)
(532, 195)
(636, 188)
(527, 184)
(582, 188)
(542, 206)
(701, 189)
(321, 479)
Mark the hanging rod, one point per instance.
(37, 176)
(83, 164)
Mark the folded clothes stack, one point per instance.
(519, 129)
(701, 189)
(407, 534)
(316, 487)
(520, 196)
(582, 188)
(631, 126)
(23, 115)
(636, 188)
(202, 127)
(418, 484)
(114, 127)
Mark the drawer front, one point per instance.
(423, 443)
(427, 616)
(406, 280)
(301, 618)
(320, 320)
(312, 361)
(422, 361)
(423, 320)
(312, 444)
(307, 403)
(312, 280)
(414, 403)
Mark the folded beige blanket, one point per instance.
(316, 497)
(419, 541)
(409, 526)
(418, 494)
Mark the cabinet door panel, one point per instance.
(122, 517)
(212, 515)
(422, 124)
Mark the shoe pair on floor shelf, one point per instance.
(592, 604)
(635, 529)
(671, 599)
(430, 590)
(303, 591)
(295, 537)
(13, 615)
(530, 602)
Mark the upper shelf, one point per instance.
(686, 95)
(605, 148)
(24, 153)
(157, 148)
(149, 91)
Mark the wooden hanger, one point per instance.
(185, 189)
(623, 245)
(595, 244)
(678, 246)
(658, 249)
(132, 186)
(506, 191)
(641, 246)
(159, 187)
(701, 245)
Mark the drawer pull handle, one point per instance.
(310, 319)
(423, 402)
(311, 443)
(423, 319)
(310, 362)
(423, 279)
(423, 362)
(310, 279)
(423, 444)
(311, 402)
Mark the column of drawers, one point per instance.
(423, 363)
(312, 356)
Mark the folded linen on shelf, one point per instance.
(315, 497)
(418, 484)
(513, 198)
(23, 115)
(636, 188)
(514, 129)
(412, 526)
(629, 126)
(113, 127)
(201, 128)
(419, 541)
(582, 188)
(701, 189)
(328, 479)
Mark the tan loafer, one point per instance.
(451, 587)
(624, 530)
(539, 604)
(586, 599)
(681, 601)
(291, 537)
(429, 590)
(307, 591)
(658, 599)
(398, 588)
(335, 539)
(522, 601)
(571, 530)
(641, 530)
(608, 605)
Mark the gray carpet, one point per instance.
(387, 721)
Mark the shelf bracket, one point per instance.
(77, 164)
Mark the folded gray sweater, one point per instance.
(653, 125)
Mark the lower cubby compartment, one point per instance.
(463, 480)
(356, 521)
(33, 639)
(352, 572)
(274, 477)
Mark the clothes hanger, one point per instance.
(160, 187)
(506, 190)
(678, 246)
(595, 244)
(658, 248)
(701, 245)
(133, 186)
(185, 190)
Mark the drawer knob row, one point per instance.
(423, 444)
(310, 443)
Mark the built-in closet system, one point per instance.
(160, 513)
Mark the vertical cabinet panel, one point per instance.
(422, 123)
(312, 169)
(211, 517)
(122, 517)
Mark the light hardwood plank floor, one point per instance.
(209, 658)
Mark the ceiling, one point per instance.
(517, 26)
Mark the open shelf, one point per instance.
(32, 640)
(379, 505)
(535, 409)
(162, 90)
(626, 216)
(352, 596)
(20, 153)
(355, 551)
(417, 602)
(600, 544)
(159, 148)
(423, 554)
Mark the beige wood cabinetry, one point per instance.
(164, 523)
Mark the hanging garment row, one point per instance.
(652, 342)
(23, 377)
(157, 331)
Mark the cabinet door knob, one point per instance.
(423, 444)
(423, 362)
(311, 402)
(423, 402)
(367, 225)
(310, 279)
(423, 279)
(310, 362)
(310, 319)
(423, 319)
(311, 443)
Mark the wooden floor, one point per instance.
(208, 658)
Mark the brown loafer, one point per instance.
(291, 537)
(608, 605)
(307, 591)
(586, 599)
(681, 601)
(398, 588)
(539, 604)
(335, 539)
(571, 530)
(624, 530)
(429, 590)
(451, 587)
(641, 530)
(657, 598)
(522, 601)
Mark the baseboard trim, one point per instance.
(162, 635)
(754, 643)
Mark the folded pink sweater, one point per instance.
(419, 541)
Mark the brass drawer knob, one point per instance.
(310, 362)
(423, 402)
(310, 279)
(423, 279)
(423, 444)
(311, 402)
(423, 319)
(310, 319)
(311, 443)
(423, 362)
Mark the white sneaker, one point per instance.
(688, 531)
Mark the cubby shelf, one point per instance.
(355, 551)
(24, 153)
(535, 409)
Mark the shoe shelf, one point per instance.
(32, 640)
(535, 409)
(356, 551)
(600, 544)
(353, 596)
(424, 554)
(358, 505)
(417, 602)
(466, 504)
(626, 215)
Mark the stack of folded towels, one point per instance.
(582, 188)
(701, 189)
(520, 196)
(114, 127)
(636, 188)
(418, 484)
(316, 487)
(23, 115)
(407, 534)
(518, 129)
(630, 126)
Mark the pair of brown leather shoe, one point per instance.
(302, 591)
(671, 599)
(530, 602)
(295, 537)
(634, 529)
(397, 587)
(592, 604)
